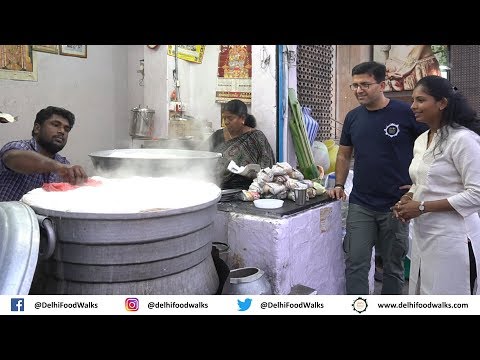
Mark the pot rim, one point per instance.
(114, 216)
(245, 279)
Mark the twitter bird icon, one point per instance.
(244, 305)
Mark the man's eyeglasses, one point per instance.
(362, 86)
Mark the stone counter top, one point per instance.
(289, 207)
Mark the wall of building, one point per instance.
(103, 88)
(464, 74)
(94, 89)
(136, 88)
(198, 85)
(465, 71)
(347, 57)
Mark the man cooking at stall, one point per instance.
(28, 164)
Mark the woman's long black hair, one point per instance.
(458, 111)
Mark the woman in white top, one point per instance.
(444, 199)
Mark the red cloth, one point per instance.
(63, 186)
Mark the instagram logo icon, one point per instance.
(131, 304)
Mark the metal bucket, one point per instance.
(141, 125)
(247, 281)
(19, 247)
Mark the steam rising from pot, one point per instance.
(185, 164)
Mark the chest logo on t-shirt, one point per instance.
(392, 130)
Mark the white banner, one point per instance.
(239, 305)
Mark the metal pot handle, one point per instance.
(47, 224)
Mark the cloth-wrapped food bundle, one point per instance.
(280, 182)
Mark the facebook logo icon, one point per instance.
(17, 304)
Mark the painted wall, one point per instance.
(94, 89)
(155, 87)
(135, 90)
(291, 82)
(264, 91)
(102, 89)
(301, 249)
(347, 57)
(197, 88)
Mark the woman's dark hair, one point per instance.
(373, 68)
(45, 114)
(458, 111)
(239, 108)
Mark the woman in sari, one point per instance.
(241, 142)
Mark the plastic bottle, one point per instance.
(331, 180)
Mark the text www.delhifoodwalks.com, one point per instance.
(423, 305)
(65, 305)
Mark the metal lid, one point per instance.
(20, 235)
(143, 109)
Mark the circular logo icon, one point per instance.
(360, 305)
(392, 130)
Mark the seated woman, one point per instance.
(241, 142)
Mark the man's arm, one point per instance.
(31, 162)
(342, 167)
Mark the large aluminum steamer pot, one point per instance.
(154, 162)
(164, 252)
(19, 247)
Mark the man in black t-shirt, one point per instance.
(381, 131)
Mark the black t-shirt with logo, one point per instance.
(383, 149)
